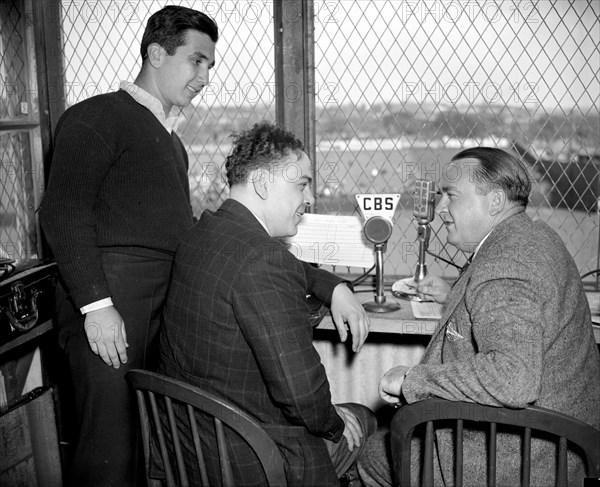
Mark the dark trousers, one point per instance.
(106, 452)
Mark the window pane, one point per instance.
(13, 72)
(17, 219)
(403, 86)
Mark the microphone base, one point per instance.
(375, 307)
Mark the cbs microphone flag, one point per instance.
(383, 205)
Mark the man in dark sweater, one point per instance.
(116, 203)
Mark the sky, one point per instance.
(466, 52)
(515, 52)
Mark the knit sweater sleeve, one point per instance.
(82, 158)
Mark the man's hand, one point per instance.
(352, 430)
(433, 288)
(390, 385)
(105, 331)
(345, 308)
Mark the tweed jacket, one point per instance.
(236, 323)
(516, 331)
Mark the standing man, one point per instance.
(237, 321)
(116, 203)
(516, 329)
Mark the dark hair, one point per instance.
(263, 145)
(169, 25)
(499, 169)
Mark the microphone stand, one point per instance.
(379, 304)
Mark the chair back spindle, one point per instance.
(428, 412)
(157, 396)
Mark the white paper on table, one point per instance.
(426, 310)
(332, 240)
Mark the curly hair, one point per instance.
(168, 28)
(264, 145)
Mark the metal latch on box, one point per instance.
(22, 310)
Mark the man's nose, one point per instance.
(441, 207)
(203, 74)
(308, 196)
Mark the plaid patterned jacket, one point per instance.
(236, 323)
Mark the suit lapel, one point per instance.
(458, 290)
(455, 297)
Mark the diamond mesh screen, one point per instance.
(17, 222)
(101, 48)
(18, 237)
(403, 86)
(12, 61)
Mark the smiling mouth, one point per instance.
(195, 92)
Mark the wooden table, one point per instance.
(395, 338)
(401, 321)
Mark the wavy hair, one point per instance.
(169, 25)
(264, 145)
(498, 169)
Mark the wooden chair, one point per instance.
(530, 419)
(152, 388)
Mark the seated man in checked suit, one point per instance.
(237, 322)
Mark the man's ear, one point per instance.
(260, 183)
(497, 201)
(156, 54)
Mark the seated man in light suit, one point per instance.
(237, 322)
(516, 328)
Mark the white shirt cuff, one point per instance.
(96, 305)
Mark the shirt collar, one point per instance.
(260, 221)
(515, 211)
(481, 243)
(151, 103)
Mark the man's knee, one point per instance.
(366, 417)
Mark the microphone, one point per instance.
(378, 211)
(423, 211)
